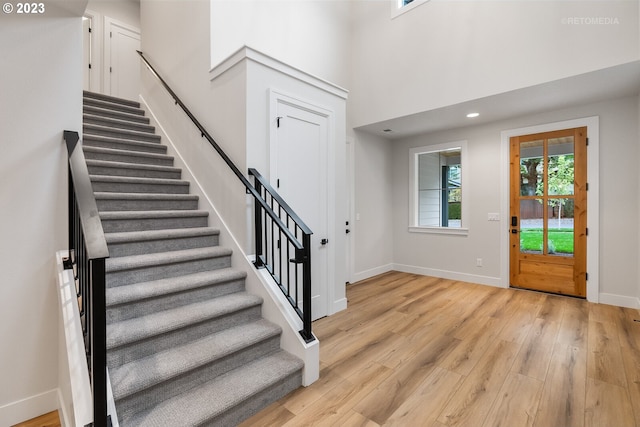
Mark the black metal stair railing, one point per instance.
(87, 254)
(281, 238)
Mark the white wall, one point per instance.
(310, 35)
(125, 11)
(638, 196)
(41, 86)
(443, 52)
(619, 185)
(176, 41)
(373, 206)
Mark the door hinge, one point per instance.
(110, 70)
(587, 231)
(587, 187)
(89, 29)
(278, 121)
(278, 183)
(110, 34)
(89, 66)
(587, 139)
(586, 276)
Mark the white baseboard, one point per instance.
(339, 305)
(619, 300)
(451, 275)
(30, 407)
(363, 275)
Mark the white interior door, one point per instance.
(122, 60)
(299, 172)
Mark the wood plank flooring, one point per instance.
(420, 351)
(47, 420)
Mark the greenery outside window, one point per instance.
(438, 189)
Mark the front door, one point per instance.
(548, 212)
(299, 172)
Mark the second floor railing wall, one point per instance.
(276, 226)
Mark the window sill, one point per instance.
(440, 230)
(397, 11)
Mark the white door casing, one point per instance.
(298, 171)
(86, 52)
(122, 63)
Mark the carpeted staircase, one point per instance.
(187, 346)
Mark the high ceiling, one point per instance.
(610, 83)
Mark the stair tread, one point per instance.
(105, 112)
(140, 374)
(155, 288)
(87, 129)
(104, 195)
(202, 403)
(131, 142)
(124, 215)
(125, 152)
(137, 180)
(136, 236)
(117, 123)
(160, 258)
(154, 324)
(110, 98)
(109, 163)
(113, 106)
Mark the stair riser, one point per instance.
(123, 145)
(145, 205)
(127, 158)
(154, 305)
(137, 173)
(137, 350)
(114, 133)
(255, 403)
(150, 397)
(112, 106)
(118, 225)
(156, 272)
(118, 124)
(126, 187)
(161, 245)
(115, 115)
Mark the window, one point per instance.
(398, 7)
(438, 189)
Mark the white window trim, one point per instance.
(397, 10)
(463, 230)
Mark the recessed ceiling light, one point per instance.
(472, 115)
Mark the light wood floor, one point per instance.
(419, 351)
(47, 420)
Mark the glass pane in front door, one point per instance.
(531, 226)
(560, 166)
(531, 168)
(560, 227)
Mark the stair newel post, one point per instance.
(306, 288)
(99, 343)
(258, 226)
